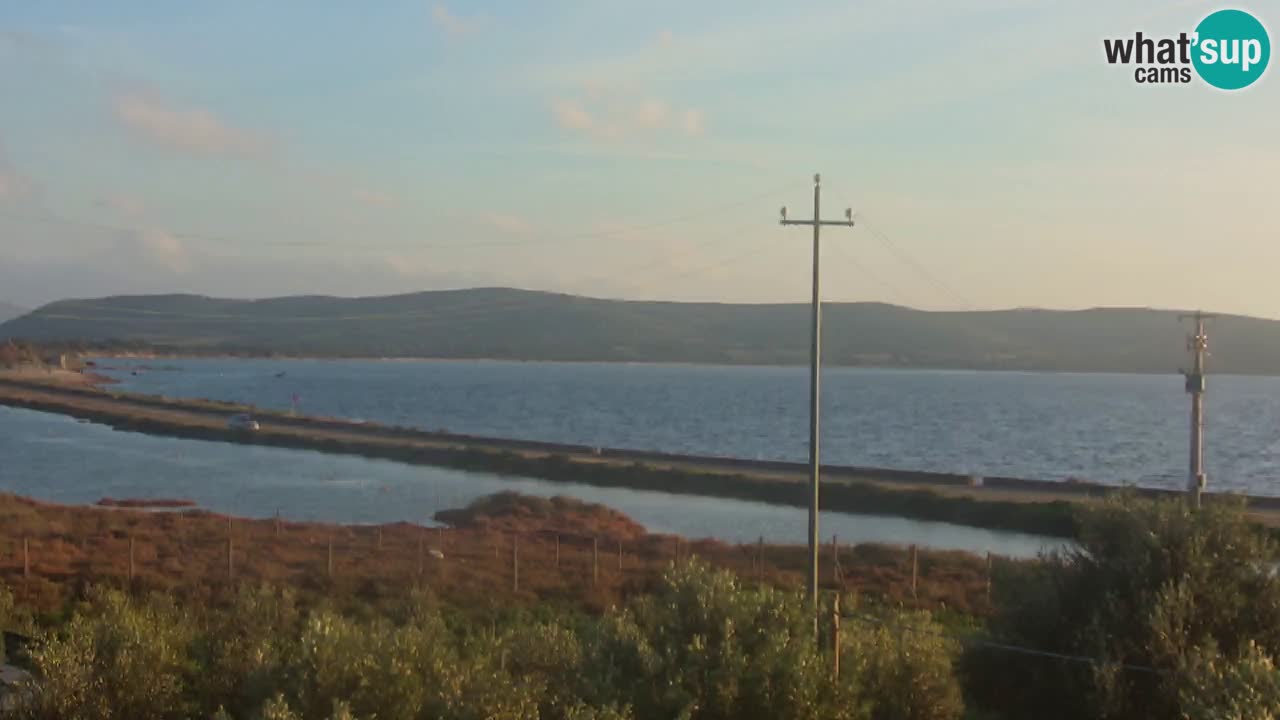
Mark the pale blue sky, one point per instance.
(628, 149)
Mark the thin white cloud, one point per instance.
(570, 115)
(653, 113)
(613, 116)
(146, 243)
(193, 130)
(125, 205)
(375, 198)
(163, 248)
(692, 122)
(510, 224)
(751, 41)
(452, 24)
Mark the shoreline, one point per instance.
(654, 363)
(1012, 504)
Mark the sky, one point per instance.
(631, 150)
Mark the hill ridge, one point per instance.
(517, 324)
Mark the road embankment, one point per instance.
(1041, 507)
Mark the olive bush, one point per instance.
(702, 646)
(904, 665)
(1149, 586)
(116, 659)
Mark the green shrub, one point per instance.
(1218, 688)
(244, 650)
(904, 666)
(1150, 585)
(7, 614)
(703, 646)
(117, 659)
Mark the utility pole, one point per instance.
(1198, 344)
(815, 366)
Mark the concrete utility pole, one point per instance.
(1198, 344)
(815, 365)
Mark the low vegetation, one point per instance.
(555, 543)
(19, 355)
(700, 645)
(1159, 612)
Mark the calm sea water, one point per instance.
(57, 458)
(1109, 428)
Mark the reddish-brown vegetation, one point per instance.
(49, 553)
(511, 512)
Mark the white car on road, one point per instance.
(244, 421)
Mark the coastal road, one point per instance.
(780, 482)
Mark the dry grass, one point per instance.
(555, 543)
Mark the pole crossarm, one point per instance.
(841, 223)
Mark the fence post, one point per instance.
(915, 569)
(760, 559)
(330, 556)
(131, 574)
(515, 563)
(421, 554)
(379, 538)
(277, 524)
(988, 577)
(676, 552)
(835, 559)
(26, 558)
(595, 560)
(835, 637)
(619, 557)
(231, 553)
(557, 551)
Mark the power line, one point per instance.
(214, 239)
(866, 272)
(442, 314)
(717, 239)
(905, 257)
(752, 250)
(977, 641)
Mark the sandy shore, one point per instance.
(55, 376)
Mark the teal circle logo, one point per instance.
(1231, 49)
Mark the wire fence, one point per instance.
(191, 550)
(69, 547)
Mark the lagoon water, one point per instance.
(1109, 428)
(60, 459)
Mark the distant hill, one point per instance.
(525, 325)
(8, 312)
